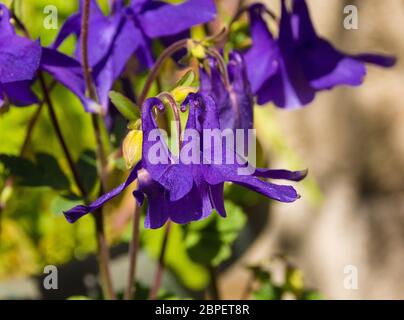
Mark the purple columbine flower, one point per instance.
(22, 58)
(188, 192)
(128, 31)
(234, 99)
(290, 70)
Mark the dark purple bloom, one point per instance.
(21, 59)
(325, 66)
(19, 62)
(290, 70)
(128, 31)
(235, 99)
(188, 192)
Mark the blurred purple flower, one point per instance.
(235, 99)
(19, 62)
(290, 70)
(128, 31)
(188, 192)
(22, 58)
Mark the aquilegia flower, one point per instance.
(128, 31)
(290, 70)
(181, 190)
(22, 58)
(234, 99)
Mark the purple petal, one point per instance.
(6, 28)
(19, 93)
(19, 58)
(347, 71)
(228, 173)
(241, 95)
(324, 66)
(262, 58)
(157, 198)
(101, 33)
(128, 38)
(236, 102)
(175, 177)
(288, 88)
(77, 212)
(68, 72)
(302, 26)
(217, 198)
(377, 59)
(161, 208)
(162, 19)
(70, 26)
(270, 190)
(280, 174)
(112, 40)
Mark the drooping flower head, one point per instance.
(129, 31)
(324, 66)
(290, 70)
(181, 190)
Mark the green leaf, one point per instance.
(45, 172)
(125, 106)
(50, 172)
(267, 291)
(60, 204)
(193, 275)
(209, 241)
(87, 168)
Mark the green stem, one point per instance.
(158, 277)
(168, 52)
(214, 285)
(103, 251)
(133, 251)
(133, 246)
(33, 121)
(60, 137)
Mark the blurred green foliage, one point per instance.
(263, 285)
(209, 241)
(33, 230)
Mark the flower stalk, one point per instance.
(133, 250)
(103, 251)
(168, 52)
(134, 244)
(59, 134)
(158, 277)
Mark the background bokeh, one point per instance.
(352, 141)
(352, 206)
